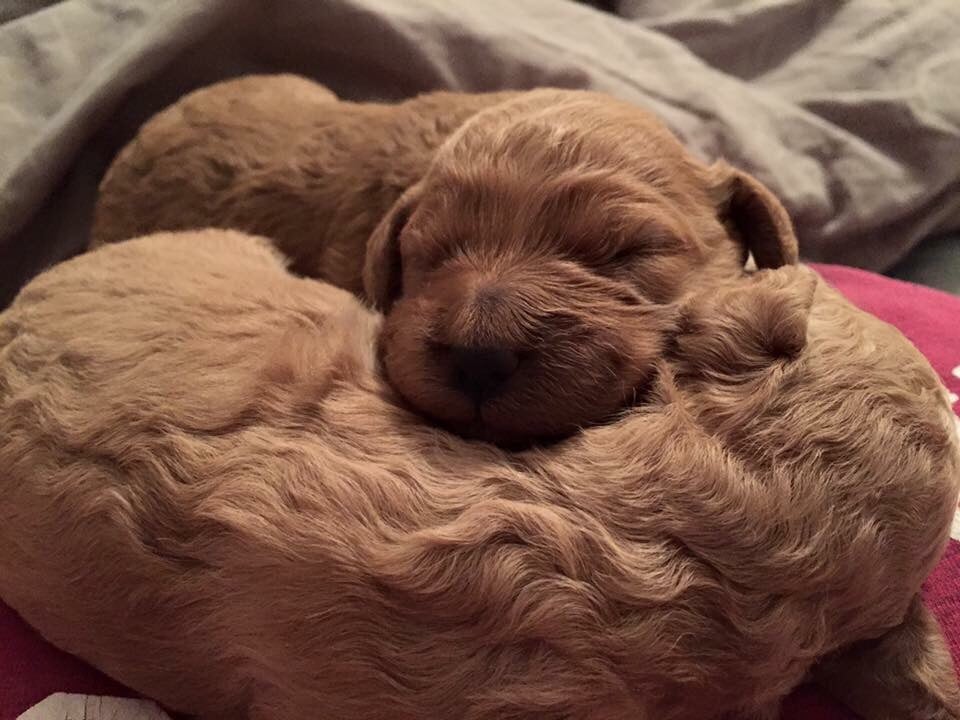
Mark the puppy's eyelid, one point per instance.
(628, 254)
(625, 254)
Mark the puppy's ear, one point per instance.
(383, 267)
(907, 673)
(754, 216)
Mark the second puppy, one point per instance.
(529, 249)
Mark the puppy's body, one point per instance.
(531, 247)
(237, 519)
(281, 157)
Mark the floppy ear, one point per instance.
(754, 216)
(382, 267)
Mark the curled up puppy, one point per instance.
(529, 249)
(238, 520)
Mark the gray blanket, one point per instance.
(849, 110)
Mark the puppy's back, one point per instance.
(209, 493)
(278, 156)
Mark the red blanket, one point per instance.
(32, 670)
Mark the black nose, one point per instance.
(481, 372)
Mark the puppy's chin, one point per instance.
(502, 423)
(579, 382)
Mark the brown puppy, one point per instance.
(531, 270)
(278, 156)
(533, 276)
(237, 519)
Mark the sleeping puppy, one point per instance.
(531, 279)
(532, 248)
(237, 519)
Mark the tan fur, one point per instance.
(278, 156)
(557, 228)
(209, 492)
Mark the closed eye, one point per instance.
(619, 272)
(603, 260)
(626, 255)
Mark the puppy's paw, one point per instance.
(747, 325)
(907, 674)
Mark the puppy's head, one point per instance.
(532, 278)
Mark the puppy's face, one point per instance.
(532, 279)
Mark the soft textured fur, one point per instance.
(279, 156)
(209, 492)
(533, 250)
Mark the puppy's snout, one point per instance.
(481, 372)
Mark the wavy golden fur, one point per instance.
(530, 249)
(210, 493)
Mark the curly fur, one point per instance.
(210, 493)
(278, 156)
(558, 229)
